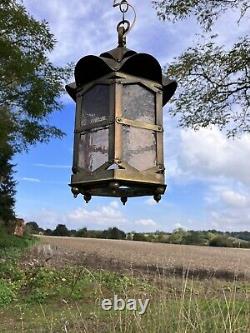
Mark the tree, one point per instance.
(221, 241)
(7, 188)
(177, 236)
(33, 227)
(140, 237)
(194, 238)
(30, 87)
(61, 230)
(82, 232)
(114, 233)
(214, 83)
(48, 232)
(30, 84)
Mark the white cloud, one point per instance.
(235, 199)
(230, 220)
(229, 208)
(209, 155)
(180, 226)
(103, 216)
(52, 166)
(146, 222)
(32, 180)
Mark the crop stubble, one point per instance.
(142, 256)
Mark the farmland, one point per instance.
(58, 286)
(118, 254)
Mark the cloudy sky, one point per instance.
(208, 176)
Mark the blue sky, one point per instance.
(207, 175)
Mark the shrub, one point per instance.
(222, 241)
(6, 294)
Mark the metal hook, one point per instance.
(122, 29)
(124, 26)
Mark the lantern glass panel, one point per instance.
(93, 149)
(139, 147)
(95, 105)
(138, 103)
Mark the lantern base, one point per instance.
(118, 188)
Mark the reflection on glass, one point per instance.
(93, 149)
(139, 147)
(138, 103)
(95, 105)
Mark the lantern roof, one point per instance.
(120, 59)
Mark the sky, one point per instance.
(208, 175)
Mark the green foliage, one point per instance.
(139, 237)
(214, 82)
(30, 87)
(177, 236)
(205, 11)
(6, 294)
(114, 233)
(194, 238)
(221, 241)
(30, 84)
(8, 242)
(82, 232)
(244, 235)
(32, 228)
(7, 192)
(51, 299)
(61, 230)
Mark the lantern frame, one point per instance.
(116, 177)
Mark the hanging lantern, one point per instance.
(118, 144)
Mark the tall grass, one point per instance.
(36, 297)
(69, 300)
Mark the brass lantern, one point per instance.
(118, 144)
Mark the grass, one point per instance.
(41, 299)
(37, 296)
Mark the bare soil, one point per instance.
(142, 257)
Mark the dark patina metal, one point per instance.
(118, 70)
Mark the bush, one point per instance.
(222, 241)
(82, 233)
(139, 237)
(11, 241)
(6, 294)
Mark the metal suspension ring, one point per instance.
(124, 6)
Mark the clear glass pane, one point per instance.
(93, 149)
(139, 147)
(138, 103)
(95, 105)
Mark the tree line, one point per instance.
(179, 236)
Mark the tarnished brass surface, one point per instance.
(139, 124)
(120, 69)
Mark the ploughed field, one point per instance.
(145, 257)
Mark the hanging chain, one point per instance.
(124, 26)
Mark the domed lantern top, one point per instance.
(118, 145)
